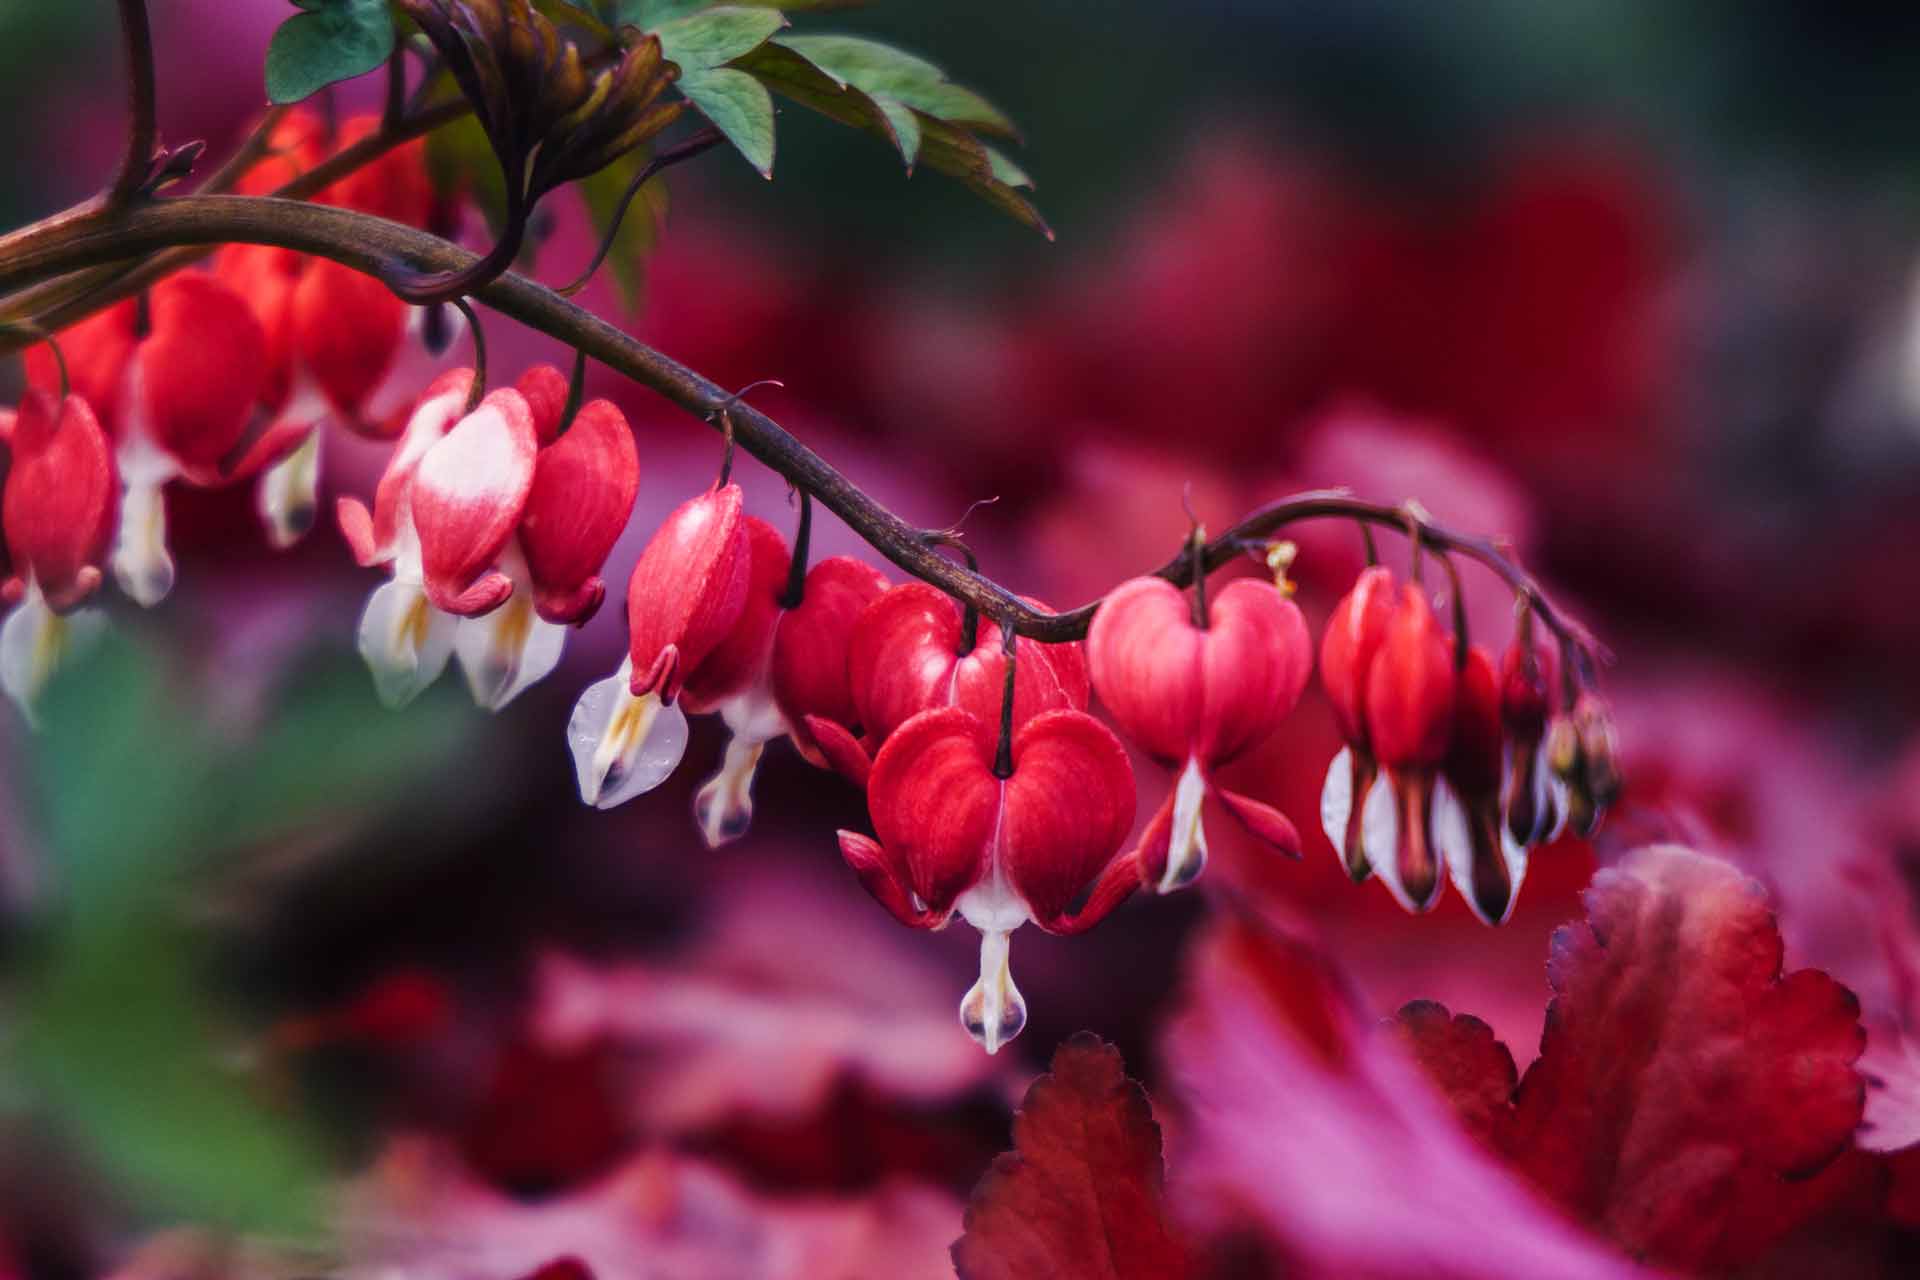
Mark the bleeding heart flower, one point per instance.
(1533, 799)
(1484, 860)
(909, 652)
(1001, 849)
(512, 521)
(405, 640)
(60, 503)
(1407, 693)
(779, 665)
(1195, 693)
(176, 395)
(1410, 704)
(340, 345)
(584, 485)
(734, 681)
(687, 591)
(1347, 649)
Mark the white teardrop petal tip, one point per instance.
(623, 746)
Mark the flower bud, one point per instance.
(1347, 651)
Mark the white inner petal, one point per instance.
(289, 493)
(140, 561)
(1453, 841)
(723, 807)
(622, 745)
(511, 648)
(992, 1011)
(33, 642)
(405, 641)
(1187, 841)
(1380, 838)
(1336, 800)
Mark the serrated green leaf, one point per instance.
(332, 40)
(880, 69)
(740, 107)
(707, 39)
(902, 123)
(945, 148)
(641, 229)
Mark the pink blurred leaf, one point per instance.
(1081, 1194)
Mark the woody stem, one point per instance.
(143, 128)
(86, 238)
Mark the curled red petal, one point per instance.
(1260, 818)
(839, 749)
(467, 497)
(62, 497)
(1349, 646)
(687, 588)
(741, 657)
(935, 803)
(1069, 807)
(200, 369)
(882, 876)
(584, 484)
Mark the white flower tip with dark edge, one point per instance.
(623, 745)
(34, 641)
(1453, 833)
(1187, 840)
(505, 652)
(405, 641)
(723, 807)
(992, 1011)
(288, 496)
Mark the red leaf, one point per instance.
(1081, 1194)
(1682, 1079)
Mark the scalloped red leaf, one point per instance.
(1082, 1193)
(1683, 1079)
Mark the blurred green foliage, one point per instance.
(143, 801)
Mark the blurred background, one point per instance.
(1634, 285)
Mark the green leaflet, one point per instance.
(331, 40)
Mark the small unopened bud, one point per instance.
(1599, 749)
(1280, 558)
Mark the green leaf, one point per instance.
(739, 107)
(943, 147)
(901, 123)
(332, 40)
(115, 1038)
(714, 36)
(641, 229)
(648, 14)
(1006, 171)
(878, 69)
